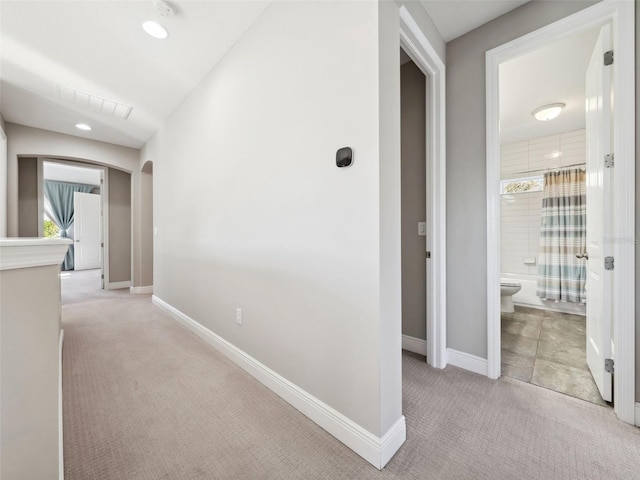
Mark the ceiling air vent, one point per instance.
(94, 103)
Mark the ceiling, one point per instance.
(454, 18)
(68, 173)
(98, 47)
(553, 74)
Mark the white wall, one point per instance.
(520, 228)
(253, 213)
(29, 375)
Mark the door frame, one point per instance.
(418, 47)
(620, 15)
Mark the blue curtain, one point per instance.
(563, 234)
(59, 196)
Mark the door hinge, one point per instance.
(608, 263)
(608, 58)
(609, 365)
(428, 254)
(102, 277)
(102, 245)
(609, 160)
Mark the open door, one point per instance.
(87, 229)
(598, 285)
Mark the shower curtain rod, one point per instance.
(549, 169)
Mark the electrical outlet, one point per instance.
(239, 316)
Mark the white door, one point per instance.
(87, 231)
(598, 285)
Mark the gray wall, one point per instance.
(28, 217)
(119, 226)
(29, 372)
(413, 181)
(466, 161)
(3, 178)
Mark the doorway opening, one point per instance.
(544, 205)
(423, 200)
(147, 230)
(413, 143)
(543, 268)
(73, 199)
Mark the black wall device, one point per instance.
(344, 157)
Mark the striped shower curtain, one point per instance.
(563, 234)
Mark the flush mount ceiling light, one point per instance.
(83, 126)
(155, 29)
(548, 112)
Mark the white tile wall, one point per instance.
(521, 211)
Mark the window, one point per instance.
(522, 185)
(51, 230)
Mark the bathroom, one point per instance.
(543, 171)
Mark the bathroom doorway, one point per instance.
(541, 329)
(544, 217)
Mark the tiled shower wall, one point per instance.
(521, 211)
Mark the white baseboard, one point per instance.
(376, 450)
(415, 345)
(637, 414)
(141, 290)
(60, 435)
(118, 285)
(467, 361)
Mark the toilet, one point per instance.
(507, 290)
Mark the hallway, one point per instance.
(146, 399)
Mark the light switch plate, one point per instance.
(422, 228)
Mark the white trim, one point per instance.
(417, 45)
(620, 14)
(415, 345)
(376, 450)
(637, 414)
(391, 441)
(118, 285)
(32, 252)
(60, 423)
(467, 361)
(141, 290)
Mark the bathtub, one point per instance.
(526, 297)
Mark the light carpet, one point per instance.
(146, 399)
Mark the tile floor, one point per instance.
(548, 349)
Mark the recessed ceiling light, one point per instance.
(83, 126)
(155, 29)
(548, 112)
